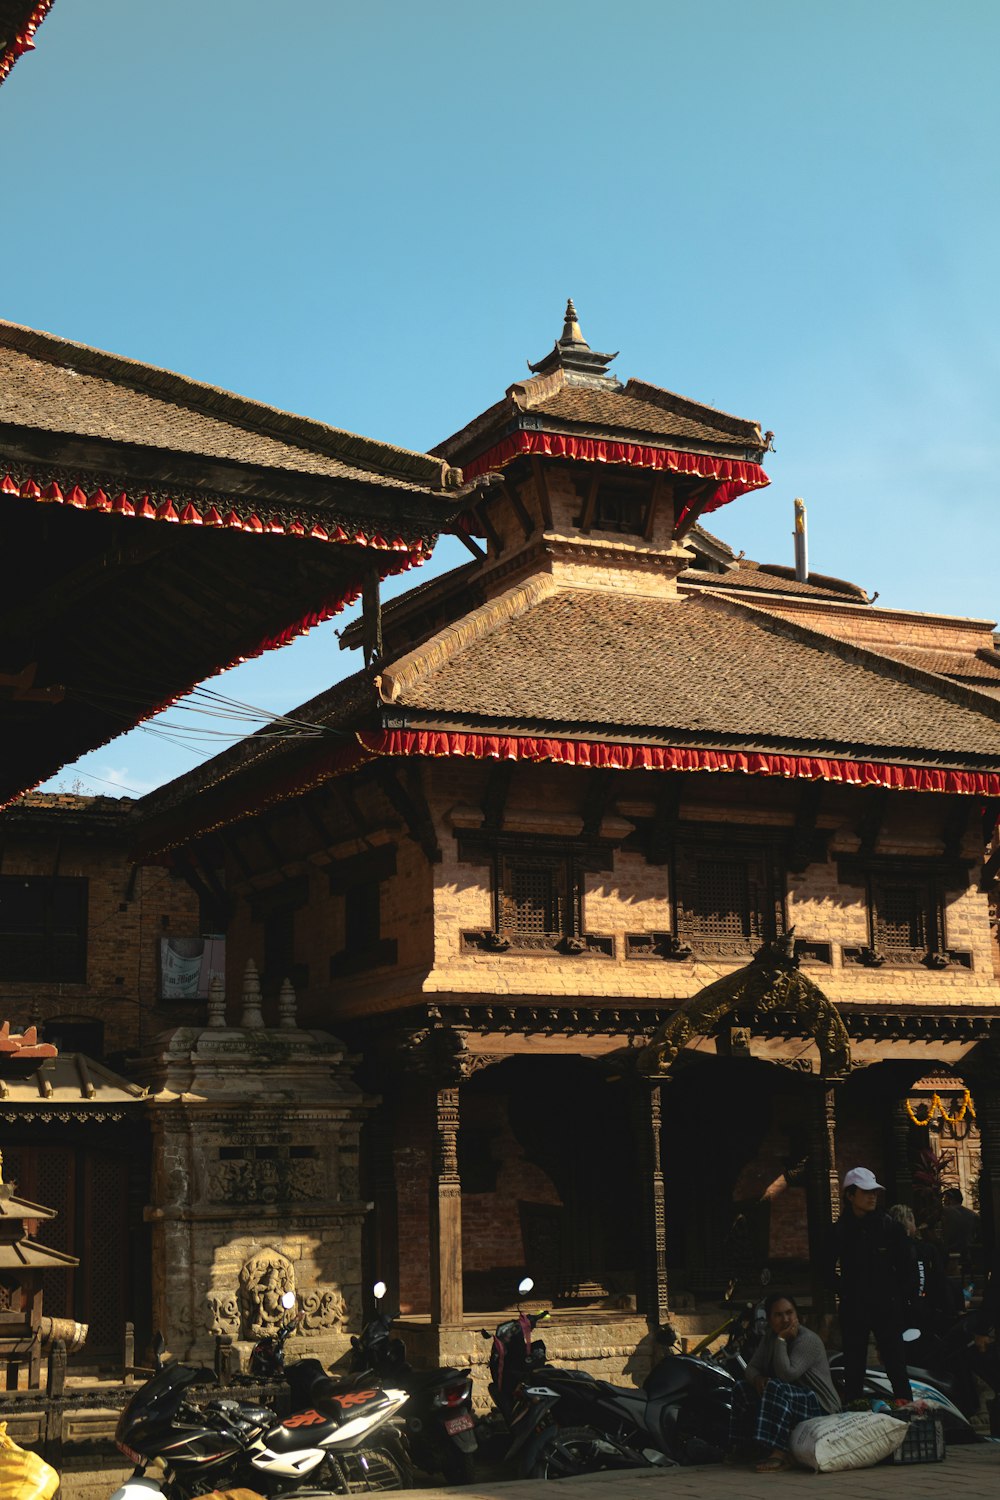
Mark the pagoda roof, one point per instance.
(19, 20)
(580, 676)
(28, 1255)
(68, 1086)
(269, 523)
(574, 408)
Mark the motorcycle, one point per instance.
(440, 1427)
(679, 1416)
(327, 1446)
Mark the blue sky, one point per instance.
(374, 212)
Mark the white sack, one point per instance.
(846, 1440)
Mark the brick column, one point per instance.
(446, 1212)
(652, 1268)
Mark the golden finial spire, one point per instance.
(571, 333)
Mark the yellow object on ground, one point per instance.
(23, 1475)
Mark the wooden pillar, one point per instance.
(902, 1167)
(985, 1083)
(823, 1188)
(382, 1238)
(652, 1270)
(446, 1212)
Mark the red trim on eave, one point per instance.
(736, 476)
(208, 514)
(24, 41)
(597, 753)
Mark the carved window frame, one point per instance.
(757, 865)
(563, 863)
(929, 881)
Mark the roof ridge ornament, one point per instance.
(573, 355)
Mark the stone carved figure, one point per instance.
(264, 1279)
(323, 1309)
(225, 1310)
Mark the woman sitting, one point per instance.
(787, 1381)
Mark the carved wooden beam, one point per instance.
(470, 544)
(490, 530)
(411, 803)
(600, 785)
(590, 504)
(870, 823)
(495, 796)
(661, 494)
(371, 617)
(520, 509)
(541, 479)
(699, 498)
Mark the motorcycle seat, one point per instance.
(305, 1434)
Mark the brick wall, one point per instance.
(127, 914)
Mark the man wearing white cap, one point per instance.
(871, 1251)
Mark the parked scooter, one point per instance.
(579, 1424)
(335, 1442)
(440, 1427)
(950, 1387)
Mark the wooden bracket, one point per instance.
(541, 479)
(520, 509)
(668, 806)
(371, 616)
(470, 544)
(495, 796)
(700, 497)
(411, 803)
(590, 504)
(870, 823)
(600, 785)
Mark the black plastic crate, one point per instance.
(923, 1444)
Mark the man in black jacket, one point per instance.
(873, 1255)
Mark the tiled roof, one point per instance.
(53, 385)
(750, 575)
(705, 666)
(980, 666)
(563, 401)
(608, 409)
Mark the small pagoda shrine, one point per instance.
(22, 1258)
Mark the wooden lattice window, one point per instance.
(43, 928)
(536, 898)
(728, 902)
(622, 509)
(906, 919)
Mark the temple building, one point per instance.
(647, 887)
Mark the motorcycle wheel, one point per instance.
(375, 1469)
(566, 1451)
(459, 1468)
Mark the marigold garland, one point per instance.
(936, 1107)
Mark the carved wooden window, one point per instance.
(43, 929)
(537, 898)
(907, 921)
(727, 902)
(620, 508)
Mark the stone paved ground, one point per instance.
(971, 1472)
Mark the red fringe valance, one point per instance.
(678, 758)
(736, 476)
(186, 513)
(24, 41)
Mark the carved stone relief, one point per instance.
(264, 1279)
(323, 1309)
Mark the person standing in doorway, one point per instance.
(872, 1254)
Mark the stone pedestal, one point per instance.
(255, 1184)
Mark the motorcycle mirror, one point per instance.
(379, 1290)
(525, 1286)
(910, 1335)
(159, 1348)
(287, 1300)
